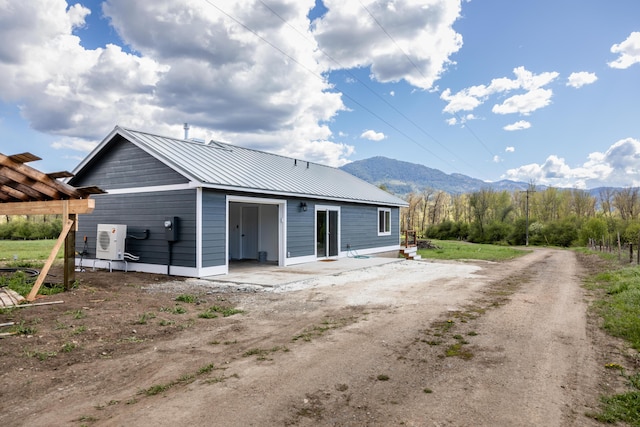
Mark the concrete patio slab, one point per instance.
(269, 275)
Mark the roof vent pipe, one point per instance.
(186, 131)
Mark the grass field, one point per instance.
(38, 250)
(452, 250)
(619, 307)
(23, 251)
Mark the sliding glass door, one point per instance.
(327, 233)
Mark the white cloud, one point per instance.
(76, 144)
(629, 51)
(580, 79)
(533, 98)
(497, 159)
(64, 89)
(525, 103)
(618, 166)
(193, 63)
(510, 149)
(422, 30)
(373, 135)
(392, 93)
(519, 125)
(461, 101)
(452, 121)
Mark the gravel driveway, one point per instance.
(412, 343)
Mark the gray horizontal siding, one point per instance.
(124, 165)
(359, 227)
(214, 224)
(145, 211)
(300, 229)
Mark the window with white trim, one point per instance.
(384, 222)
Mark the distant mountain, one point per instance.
(403, 177)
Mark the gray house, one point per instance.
(191, 208)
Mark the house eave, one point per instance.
(291, 194)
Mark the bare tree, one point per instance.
(582, 203)
(436, 209)
(410, 212)
(480, 203)
(626, 201)
(606, 202)
(459, 207)
(548, 204)
(426, 195)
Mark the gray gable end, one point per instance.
(121, 164)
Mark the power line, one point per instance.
(345, 94)
(352, 99)
(422, 74)
(394, 108)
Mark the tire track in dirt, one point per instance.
(533, 363)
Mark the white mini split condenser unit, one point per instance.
(110, 241)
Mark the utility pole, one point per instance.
(526, 239)
(528, 190)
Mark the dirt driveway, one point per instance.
(408, 343)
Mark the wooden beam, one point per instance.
(50, 207)
(25, 189)
(24, 158)
(52, 257)
(63, 174)
(91, 189)
(13, 193)
(39, 177)
(49, 189)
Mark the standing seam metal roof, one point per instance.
(220, 164)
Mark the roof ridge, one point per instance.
(226, 144)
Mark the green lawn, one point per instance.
(26, 250)
(619, 306)
(451, 249)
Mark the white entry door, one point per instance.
(249, 236)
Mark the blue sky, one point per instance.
(541, 91)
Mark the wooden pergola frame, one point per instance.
(27, 191)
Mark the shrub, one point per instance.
(448, 230)
(20, 228)
(594, 228)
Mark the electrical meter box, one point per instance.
(171, 225)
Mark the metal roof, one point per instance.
(220, 165)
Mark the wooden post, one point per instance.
(69, 247)
(619, 249)
(52, 257)
(70, 254)
(630, 252)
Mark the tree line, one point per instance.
(30, 227)
(549, 216)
